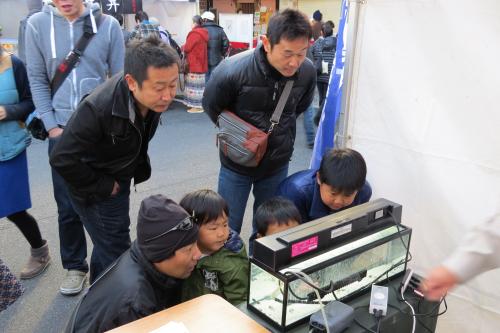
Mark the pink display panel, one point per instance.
(304, 246)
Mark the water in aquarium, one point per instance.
(344, 277)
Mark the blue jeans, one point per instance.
(235, 189)
(308, 124)
(108, 224)
(209, 73)
(72, 242)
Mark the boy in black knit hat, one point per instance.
(146, 278)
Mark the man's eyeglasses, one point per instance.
(184, 225)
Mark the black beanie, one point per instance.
(317, 16)
(157, 215)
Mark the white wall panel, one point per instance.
(425, 113)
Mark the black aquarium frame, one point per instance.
(287, 279)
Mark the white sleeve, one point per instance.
(479, 251)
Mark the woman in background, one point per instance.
(196, 55)
(15, 106)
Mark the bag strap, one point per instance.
(72, 59)
(275, 118)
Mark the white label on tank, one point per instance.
(341, 231)
(379, 214)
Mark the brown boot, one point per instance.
(37, 263)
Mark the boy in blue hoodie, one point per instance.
(338, 184)
(223, 267)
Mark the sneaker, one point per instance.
(73, 282)
(195, 110)
(37, 263)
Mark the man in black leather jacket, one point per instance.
(218, 44)
(105, 144)
(250, 85)
(147, 278)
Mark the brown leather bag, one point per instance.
(242, 142)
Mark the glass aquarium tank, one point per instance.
(285, 297)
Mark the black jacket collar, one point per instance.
(121, 95)
(266, 68)
(124, 102)
(163, 281)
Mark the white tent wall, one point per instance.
(424, 113)
(175, 16)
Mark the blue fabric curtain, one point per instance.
(332, 106)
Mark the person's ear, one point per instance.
(131, 83)
(266, 43)
(258, 236)
(318, 180)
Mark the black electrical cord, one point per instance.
(400, 235)
(420, 321)
(294, 295)
(379, 320)
(326, 291)
(431, 313)
(402, 262)
(417, 316)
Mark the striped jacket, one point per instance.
(325, 48)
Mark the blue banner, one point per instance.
(333, 103)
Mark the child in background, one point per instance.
(223, 267)
(275, 215)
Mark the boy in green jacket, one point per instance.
(223, 267)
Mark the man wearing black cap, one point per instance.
(146, 278)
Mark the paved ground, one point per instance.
(184, 158)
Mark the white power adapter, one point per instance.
(378, 300)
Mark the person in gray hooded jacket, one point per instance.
(50, 36)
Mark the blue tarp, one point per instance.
(333, 103)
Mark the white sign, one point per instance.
(238, 27)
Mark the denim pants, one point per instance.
(235, 189)
(322, 90)
(108, 224)
(308, 124)
(72, 243)
(208, 74)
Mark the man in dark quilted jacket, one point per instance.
(250, 85)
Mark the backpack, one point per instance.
(165, 35)
(176, 46)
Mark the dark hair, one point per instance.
(206, 205)
(330, 23)
(343, 169)
(289, 24)
(277, 210)
(317, 16)
(145, 52)
(141, 16)
(119, 18)
(327, 30)
(197, 19)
